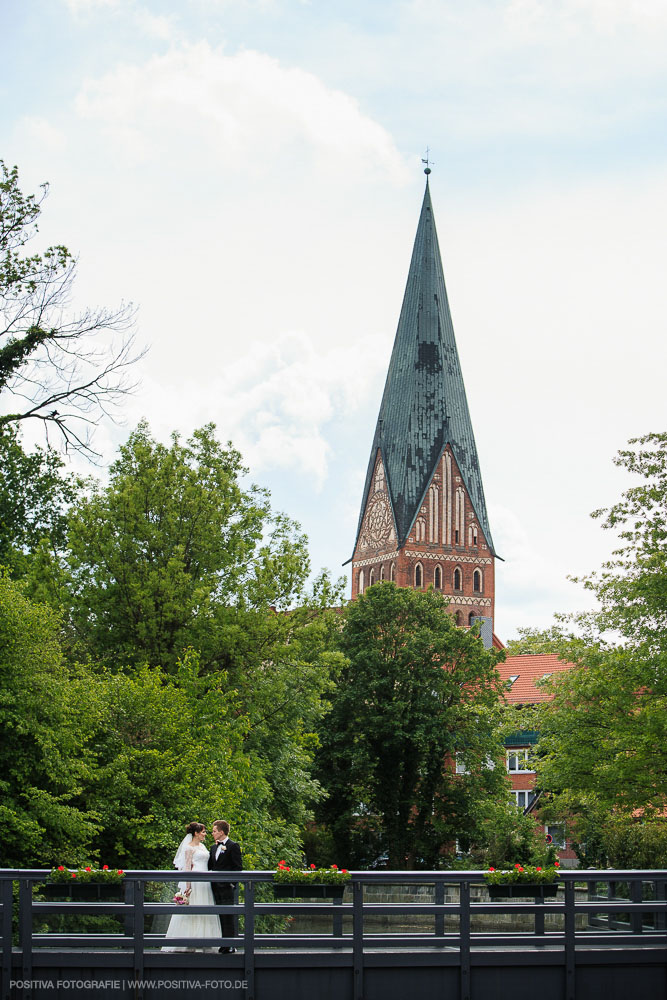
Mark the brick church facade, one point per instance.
(423, 520)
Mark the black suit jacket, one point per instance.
(229, 861)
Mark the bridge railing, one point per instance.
(379, 910)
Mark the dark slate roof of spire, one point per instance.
(424, 404)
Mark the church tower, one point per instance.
(423, 519)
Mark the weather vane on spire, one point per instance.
(427, 169)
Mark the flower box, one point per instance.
(307, 890)
(521, 890)
(84, 892)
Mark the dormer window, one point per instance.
(512, 679)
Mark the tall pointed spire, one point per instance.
(424, 406)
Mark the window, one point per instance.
(477, 582)
(471, 619)
(392, 573)
(371, 578)
(457, 618)
(420, 529)
(460, 765)
(361, 581)
(419, 575)
(472, 535)
(381, 573)
(557, 834)
(437, 578)
(512, 678)
(518, 760)
(523, 798)
(458, 578)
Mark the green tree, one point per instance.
(604, 732)
(43, 754)
(173, 540)
(169, 748)
(53, 368)
(418, 694)
(34, 498)
(174, 553)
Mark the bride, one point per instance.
(193, 856)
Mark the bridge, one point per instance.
(391, 935)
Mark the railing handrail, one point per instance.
(379, 875)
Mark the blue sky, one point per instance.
(249, 174)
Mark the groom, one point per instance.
(225, 856)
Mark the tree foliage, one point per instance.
(418, 693)
(53, 366)
(43, 763)
(35, 495)
(603, 744)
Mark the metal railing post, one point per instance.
(439, 899)
(25, 932)
(358, 939)
(660, 894)
(138, 936)
(7, 906)
(249, 938)
(570, 941)
(464, 933)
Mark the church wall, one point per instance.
(445, 537)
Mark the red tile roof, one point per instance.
(527, 669)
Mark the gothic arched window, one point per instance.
(471, 618)
(458, 579)
(361, 581)
(381, 572)
(392, 573)
(437, 578)
(419, 576)
(477, 581)
(371, 578)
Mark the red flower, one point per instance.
(61, 868)
(344, 871)
(313, 867)
(492, 869)
(73, 874)
(120, 872)
(105, 868)
(538, 869)
(88, 868)
(335, 867)
(556, 864)
(518, 866)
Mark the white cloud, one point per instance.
(42, 134)
(244, 107)
(274, 404)
(77, 7)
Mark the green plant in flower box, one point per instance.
(523, 875)
(105, 874)
(284, 875)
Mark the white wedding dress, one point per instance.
(196, 925)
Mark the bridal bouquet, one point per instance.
(181, 899)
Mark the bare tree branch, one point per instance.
(56, 366)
